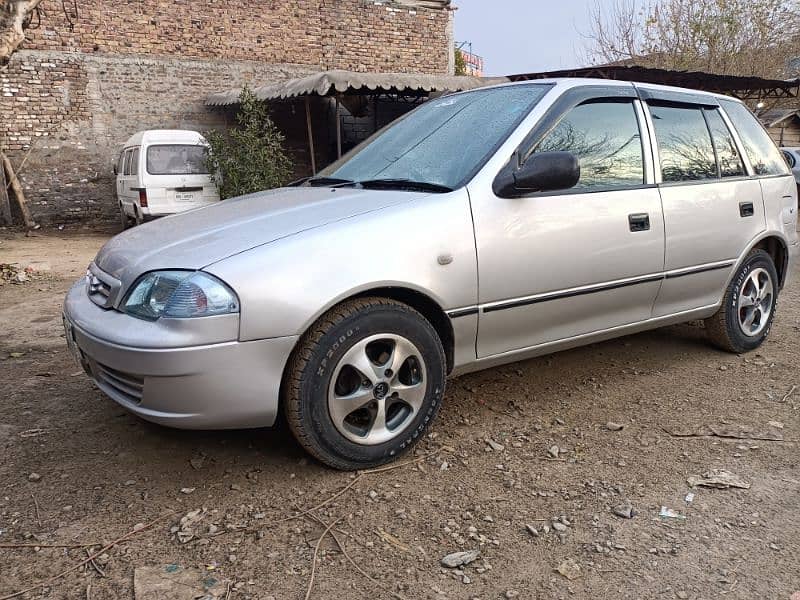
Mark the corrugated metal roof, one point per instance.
(741, 87)
(772, 118)
(330, 82)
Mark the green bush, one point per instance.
(250, 157)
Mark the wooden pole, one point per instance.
(5, 205)
(16, 187)
(310, 137)
(338, 129)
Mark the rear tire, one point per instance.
(124, 219)
(748, 309)
(364, 383)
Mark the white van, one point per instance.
(161, 172)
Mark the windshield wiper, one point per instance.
(329, 181)
(405, 184)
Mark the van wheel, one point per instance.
(364, 383)
(748, 309)
(124, 219)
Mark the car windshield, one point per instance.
(441, 145)
(176, 159)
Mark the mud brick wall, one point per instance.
(80, 86)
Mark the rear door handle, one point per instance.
(639, 222)
(746, 209)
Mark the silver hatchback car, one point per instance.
(484, 227)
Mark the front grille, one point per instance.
(101, 287)
(130, 387)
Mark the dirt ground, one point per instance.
(75, 469)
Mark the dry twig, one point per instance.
(94, 564)
(36, 506)
(77, 566)
(789, 393)
(339, 543)
(314, 558)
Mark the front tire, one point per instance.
(748, 309)
(364, 383)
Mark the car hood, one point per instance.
(195, 239)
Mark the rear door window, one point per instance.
(176, 159)
(126, 169)
(134, 168)
(605, 137)
(730, 162)
(759, 147)
(684, 143)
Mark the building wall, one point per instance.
(787, 133)
(82, 85)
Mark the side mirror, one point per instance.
(544, 172)
(115, 169)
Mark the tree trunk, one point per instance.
(13, 17)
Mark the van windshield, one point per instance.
(442, 144)
(176, 159)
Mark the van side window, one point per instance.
(134, 162)
(126, 169)
(684, 143)
(121, 163)
(605, 137)
(760, 149)
(730, 163)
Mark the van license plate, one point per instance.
(184, 196)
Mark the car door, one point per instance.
(554, 266)
(712, 209)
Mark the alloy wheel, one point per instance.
(756, 302)
(377, 389)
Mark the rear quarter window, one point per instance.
(759, 147)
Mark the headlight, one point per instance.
(180, 294)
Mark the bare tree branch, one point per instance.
(732, 37)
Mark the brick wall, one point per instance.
(75, 93)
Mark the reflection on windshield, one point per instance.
(445, 141)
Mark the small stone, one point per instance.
(139, 526)
(187, 490)
(459, 559)
(775, 424)
(774, 546)
(553, 451)
(130, 482)
(532, 530)
(569, 569)
(373, 495)
(466, 580)
(682, 595)
(494, 445)
(232, 558)
(612, 426)
(511, 594)
(34, 477)
(560, 527)
(235, 487)
(624, 510)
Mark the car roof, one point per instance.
(571, 82)
(172, 136)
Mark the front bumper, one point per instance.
(223, 385)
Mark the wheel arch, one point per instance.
(417, 299)
(774, 245)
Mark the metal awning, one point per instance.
(744, 88)
(331, 83)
